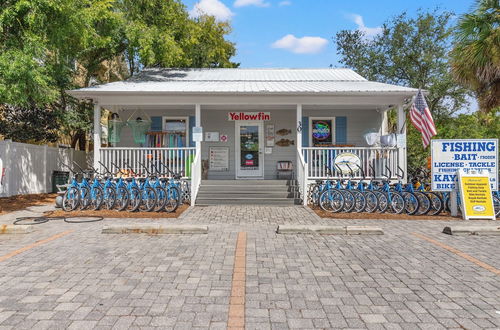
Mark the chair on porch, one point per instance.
(284, 170)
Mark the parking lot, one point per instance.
(243, 274)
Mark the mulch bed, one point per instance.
(383, 216)
(20, 202)
(117, 214)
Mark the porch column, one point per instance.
(384, 124)
(97, 135)
(402, 130)
(298, 124)
(198, 124)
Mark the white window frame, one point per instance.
(334, 141)
(186, 118)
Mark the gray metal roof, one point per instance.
(252, 81)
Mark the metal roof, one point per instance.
(252, 81)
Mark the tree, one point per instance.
(476, 54)
(413, 52)
(410, 51)
(48, 47)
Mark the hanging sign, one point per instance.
(475, 194)
(449, 156)
(347, 162)
(249, 116)
(197, 134)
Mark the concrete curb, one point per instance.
(472, 230)
(154, 229)
(15, 229)
(329, 230)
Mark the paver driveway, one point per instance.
(85, 279)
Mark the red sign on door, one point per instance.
(249, 162)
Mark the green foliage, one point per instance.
(476, 53)
(49, 46)
(410, 51)
(413, 52)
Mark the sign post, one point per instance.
(475, 194)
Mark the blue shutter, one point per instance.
(156, 124)
(305, 132)
(340, 130)
(192, 122)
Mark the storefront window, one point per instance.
(175, 132)
(321, 132)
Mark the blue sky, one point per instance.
(298, 33)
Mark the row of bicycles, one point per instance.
(362, 195)
(154, 188)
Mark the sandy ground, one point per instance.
(117, 214)
(20, 202)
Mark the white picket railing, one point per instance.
(178, 160)
(374, 161)
(195, 177)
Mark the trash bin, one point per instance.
(59, 178)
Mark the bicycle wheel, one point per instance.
(96, 198)
(149, 198)
(437, 204)
(173, 199)
(85, 198)
(350, 200)
(411, 203)
(331, 200)
(122, 198)
(135, 198)
(313, 195)
(397, 203)
(371, 201)
(383, 201)
(109, 197)
(161, 194)
(71, 199)
(496, 204)
(424, 202)
(359, 201)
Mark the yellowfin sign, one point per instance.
(475, 193)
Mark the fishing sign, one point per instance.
(449, 156)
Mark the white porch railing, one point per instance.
(374, 161)
(302, 176)
(195, 177)
(178, 160)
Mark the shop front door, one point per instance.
(249, 150)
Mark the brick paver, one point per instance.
(88, 280)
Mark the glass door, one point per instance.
(249, 150)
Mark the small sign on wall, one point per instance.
(270, 135)
(224, 138)
(249, 116)
(211, 136)
(219, 159)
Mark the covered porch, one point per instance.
(246, 133)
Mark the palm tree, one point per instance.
(475, 58)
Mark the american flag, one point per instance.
(421, 118)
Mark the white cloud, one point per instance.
(257, 3)
(213, 8)
(369, 32)
(304, 45)
(285, 3)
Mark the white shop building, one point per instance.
(252, 123)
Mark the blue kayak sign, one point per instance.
(448, 156)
